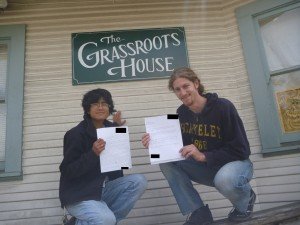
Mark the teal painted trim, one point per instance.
(2, 166)
(289, 137)
(258, 83)
(283, 150)
(262, 51)
(289, 70)
(278, 10)
(259, 75)
(261, 7)
(14, 98)
(11, 176)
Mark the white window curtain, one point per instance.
(281, 39)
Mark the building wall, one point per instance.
(52, 104)
(277, 177)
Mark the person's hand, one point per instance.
(98, 146)
(192, 151)
(117, 118)
(146, 140)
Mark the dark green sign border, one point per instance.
(110, 56)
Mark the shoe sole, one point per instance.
(252, 201)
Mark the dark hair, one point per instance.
(187, 73)
(94, 96)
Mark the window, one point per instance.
(270, 31)
(12, 50)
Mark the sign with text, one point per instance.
(127, 54)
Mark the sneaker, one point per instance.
(201, 216)
(237, 216)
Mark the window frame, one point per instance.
(7, 43)
(15, 36)
(248, 16)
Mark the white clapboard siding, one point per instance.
(52, 105)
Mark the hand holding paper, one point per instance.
(165, 139)
(116, 154)
(98, 146)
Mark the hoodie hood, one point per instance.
(211, 101)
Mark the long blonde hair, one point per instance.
(186, 73)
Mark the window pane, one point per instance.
(280, 35)
(287, 94)
(3, 74)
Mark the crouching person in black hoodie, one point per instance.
(216, 151)
(90, 196)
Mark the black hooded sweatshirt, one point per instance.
(81, 178)
(217, 131)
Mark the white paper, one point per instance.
(117, 149)
(165, 139)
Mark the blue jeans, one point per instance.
(231, 180)
(118, 198)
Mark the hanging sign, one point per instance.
(127, 54)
